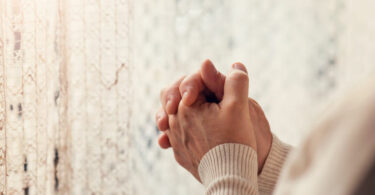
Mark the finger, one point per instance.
(208, 79)
(201, 99)
(162, 120)
(170, 97)
(190, 88)
(213, 79)
(236, 87)
(163, 141)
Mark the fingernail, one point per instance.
(184, 96)
(168, 105)
(239, 66)
(159, 116)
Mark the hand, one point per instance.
(210, 82)
(197, 128)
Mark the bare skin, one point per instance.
(208, 84)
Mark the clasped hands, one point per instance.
(206, 109)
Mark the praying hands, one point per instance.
(207, 109)
(223, 139)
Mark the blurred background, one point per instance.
(80, 80)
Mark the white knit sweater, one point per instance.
(335, 159)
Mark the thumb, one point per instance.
(236, 87)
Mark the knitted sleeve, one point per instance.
(229, 169)
(232, 169)
(270, 173)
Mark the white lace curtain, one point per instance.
(64, 96)
(79, 80)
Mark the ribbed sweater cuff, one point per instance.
(229, 169)
(272, 167)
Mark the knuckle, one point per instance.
(185, 85)
(167, 92)
(183, 110)
(239, 76)
(161, 120)
(190, 82)
(173, 122)
(163, 124)
(233, 105)
(178, 82)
